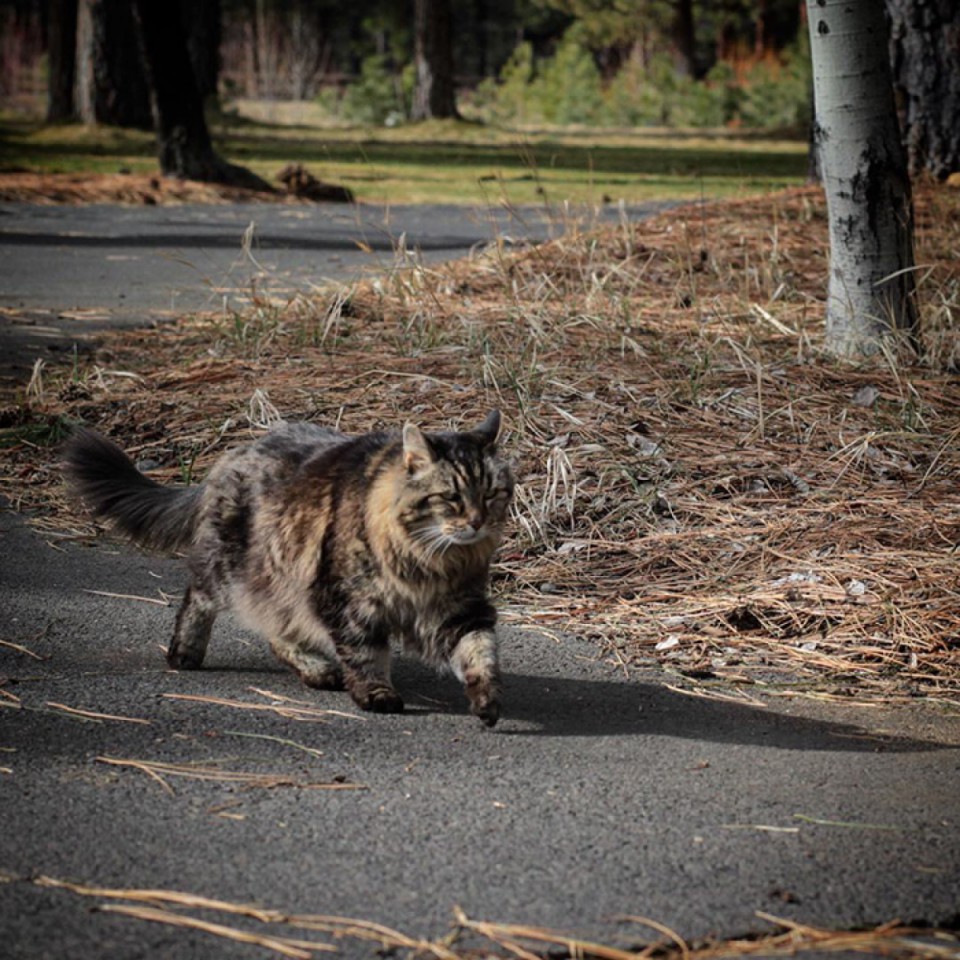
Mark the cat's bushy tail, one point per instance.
(106, 479)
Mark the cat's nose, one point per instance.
(475, 520)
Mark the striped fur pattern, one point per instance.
(330, 546)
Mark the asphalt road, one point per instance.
(599, 795)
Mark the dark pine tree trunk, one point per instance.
(111, 83)
(183, 140)
(684, 38)
(433, 95)
(62, 60)
(201, 19)
(925, 55)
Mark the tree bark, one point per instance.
(183, 140)
(111, 85)
(684, 39)
(433, 94)
(201, 20)
(863, 166)
(925, 55)
(62, 60)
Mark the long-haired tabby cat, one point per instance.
(330, 546)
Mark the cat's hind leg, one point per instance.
(313, 663)
(366, 673)
(192, 631)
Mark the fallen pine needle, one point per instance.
(507, 935)
(848, 824)
(759, 826)
(313, 714)
(174, 897)
(743, 700)
(159, 771)
(665, 930)
(128, 596)
(305, 703)
(20, 648)
(283, 740)
(368, 930)
(290, 712)
(299, 949)
(93, 715)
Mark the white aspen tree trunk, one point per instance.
(863, 166)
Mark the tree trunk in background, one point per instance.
(111, 83)
(62, 60)
(183, 140)
(863, 167)
(684, 39)
(201, 20)
(925, 54)
(267, 52)
(309, 49)
(433, 95)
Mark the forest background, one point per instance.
(733, 63)
(732, 75)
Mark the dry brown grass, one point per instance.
(701, 487)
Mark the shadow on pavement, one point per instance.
(586, 707)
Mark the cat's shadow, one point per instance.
(537, 706)
(588, 706)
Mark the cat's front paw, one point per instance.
(328, 678)
(184, 659)
(484, 696)
(488, 711)
(379, 700)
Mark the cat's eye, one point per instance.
(454, 499)
(495, 495)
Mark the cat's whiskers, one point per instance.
(434, 541)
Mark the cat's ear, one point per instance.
(416, 449)
(488, 430)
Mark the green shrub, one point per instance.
(377, 96)
(776, 94)
(568, 88)
(632, 99)
(505, 100)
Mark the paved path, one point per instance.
(598, 795)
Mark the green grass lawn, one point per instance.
(450, 162)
